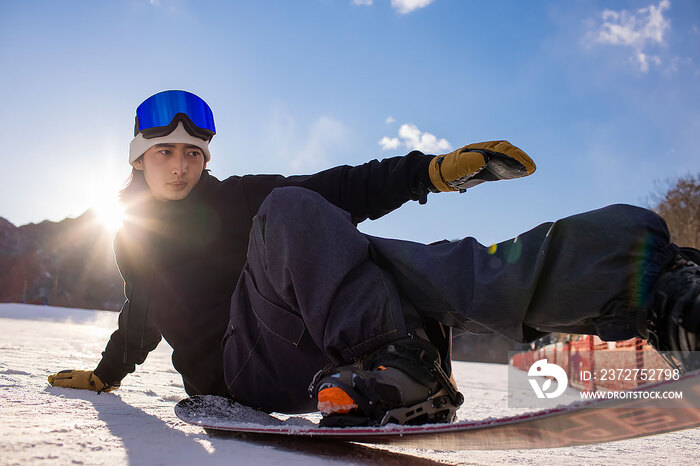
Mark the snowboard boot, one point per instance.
(402, 382)
(673, 316)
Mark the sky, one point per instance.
(603, 95)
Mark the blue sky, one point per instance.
(602, 94)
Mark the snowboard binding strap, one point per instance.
(436, 409)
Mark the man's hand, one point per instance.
(476, 163)
(86, 380)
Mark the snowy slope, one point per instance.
(136, 425)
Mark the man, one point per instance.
(263, 285)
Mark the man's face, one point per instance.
(171, 170)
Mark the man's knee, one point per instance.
(288, 200)
(638, 218)
(622, 220)
(294, 212)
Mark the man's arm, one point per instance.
(121, 354)
(372, 189)
(375, 188)
(135, 336)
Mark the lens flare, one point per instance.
(110, 212)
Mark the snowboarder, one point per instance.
(264, 287)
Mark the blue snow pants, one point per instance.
(316, 291)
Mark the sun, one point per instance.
(110, 212)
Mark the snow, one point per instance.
(136, 424)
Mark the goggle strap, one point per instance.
(159, 131)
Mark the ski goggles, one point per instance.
(159, 115)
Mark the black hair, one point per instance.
(134, 188)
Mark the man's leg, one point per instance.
(591, 273)
(320, 290)
(310, 294)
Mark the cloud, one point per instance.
(406, 6)
(295, 146)
(389, 119)
(389, 143)
(413, 138)
(324, 137)
(636, 30)
(401, 6)
(155, 2)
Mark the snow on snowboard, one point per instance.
(588, 422)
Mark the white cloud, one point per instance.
(389, 119)
(413, 138)
(401, 6)
(389, 143)
(325, 136)
(155, 2)
(293, 146)
(407, 6)
(636, 30)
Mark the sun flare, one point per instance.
(110, 213)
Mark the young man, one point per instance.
(262, 284)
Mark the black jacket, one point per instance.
(180, 260)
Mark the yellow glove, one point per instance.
(476, 163)
(86, 380)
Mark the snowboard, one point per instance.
(583, 423)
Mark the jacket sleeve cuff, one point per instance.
(110, 374)
(112, 370)
(420, 177)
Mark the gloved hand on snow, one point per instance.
(476, 163)
(86, 380)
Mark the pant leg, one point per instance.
(316, 290)
(309, 294)
(590, 273)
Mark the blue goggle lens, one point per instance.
(160, 109)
